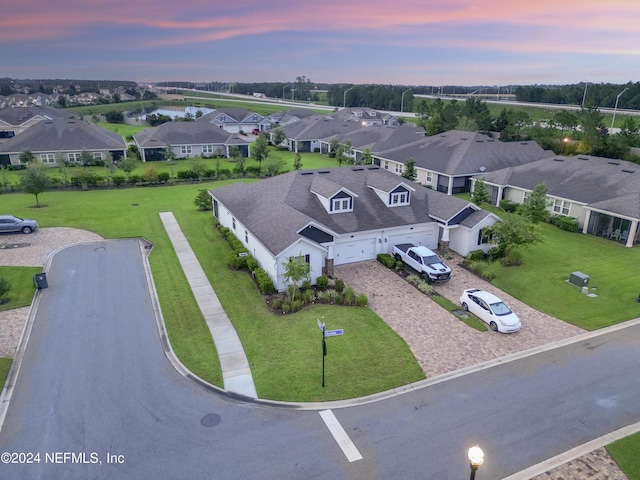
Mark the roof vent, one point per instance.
(628, 171)
(306, 173)
(323, 171)
(583, 158)
(613, 163)
(357, 169)
(373, 168)
(559, 159)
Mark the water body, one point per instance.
(174, 112)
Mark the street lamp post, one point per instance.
(402, 100)
(344, 97)
(616, 107)
(476, 458)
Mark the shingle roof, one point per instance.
(276, 208)
(63, 135)
(319, 127)
(187, 133)
(604, 183)
(19, 115)
(463, 153)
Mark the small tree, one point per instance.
(63, 167)
(296, 271)
(297, 162)
(199, 168)
(128, 165)
(26, 156)
(367, 158)
(279, 136)
(410, 172)
(272, 166)
(203, 200)
(238, 159)
(260, 149)
(480, 194)
(87, 158)
(35, 179)
(512, 232)
(536, 206)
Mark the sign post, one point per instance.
(326, 333)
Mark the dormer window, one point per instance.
(400, 198)
(342, 205)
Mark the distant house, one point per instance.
(366, 117)
(307, 134)
(15, 120)
(446, 162)
(52, 139)
(188, 139)
(234, 120)
(602, 194)
(343, 215)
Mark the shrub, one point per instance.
(324, 297)
(253, 170)
(476, 256)
(276, 303)
(252, 263)
(308, 296)
(565, 223)
(164, 177)
(386, 259)
(513, 257)
(425, 288)
(362, 300)
(339, 285)
(399, 265)
(485, 270)
(296, 305)
(414, 279)
(349, 296)
(134, 179)
(322, 282)
(509, 206)
(306, 285)
(264, 282)
(338, 298)
(286, 306)
(187, 175)
(118, 180)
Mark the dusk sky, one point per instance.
(400, 42)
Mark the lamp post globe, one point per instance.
(476, 458)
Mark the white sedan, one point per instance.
(491, 310)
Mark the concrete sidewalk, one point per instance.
(236, 372)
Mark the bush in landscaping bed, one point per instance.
(322, 282)
(264, 282)
(565, 223)
(339, 285)
(362, 300)
(508, 206)
(386, 259)
(476, 256)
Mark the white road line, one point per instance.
(345, 443)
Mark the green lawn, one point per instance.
(5, 364)
(21, 281)
(625, 453)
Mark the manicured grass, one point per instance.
(369, 358)
(122, 129)
(21, 281)
(470, 321)
(625, 453)
(5, 365)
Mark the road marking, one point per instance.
(345, 443)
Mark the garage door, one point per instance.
(355, 251)
(428, 239)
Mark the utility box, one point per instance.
(40, 280)
(579, 279)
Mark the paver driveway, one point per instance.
(439, 340)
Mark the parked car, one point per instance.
(491, 310)
(11, 224)
(426, 262)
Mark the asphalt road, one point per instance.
(97, 398)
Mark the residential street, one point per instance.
(95, 381)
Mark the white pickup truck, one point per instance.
(426, 262)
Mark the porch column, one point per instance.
(450, 191)
(586, 222)
(632, 233)
(443, 243)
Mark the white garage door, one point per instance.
(428, 239)
(354, 251)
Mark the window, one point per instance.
(386, 165)
(400, 198)
(74, 157)
(561, 207)
(399, 167)
(246, 237)
(185, 149)
(97, 155)
(207, 149)
(525, 197)
(301, 258)
(48, 157)
(484, 236)
(342, 205)
(233, 223)
(430, 177)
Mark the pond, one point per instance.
(172, 112)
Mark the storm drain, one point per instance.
(211, 420)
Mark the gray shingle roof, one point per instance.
(19, 115)
(63, 135)
(187, 133)
(463, 153)
(611, 185)
(276, 208)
